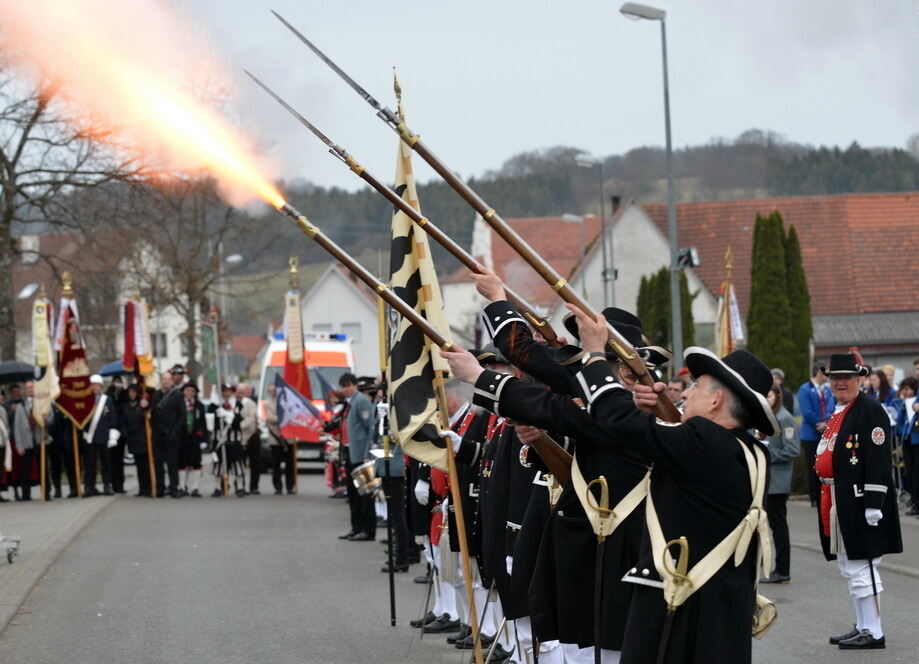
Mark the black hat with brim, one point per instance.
(192, 385)
(844, 364)
(627, 323)
(490, 355)
(744, 375)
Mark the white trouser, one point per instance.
(550, 652)
(858, 575)
(576, 655)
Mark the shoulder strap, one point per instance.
(677, 589)
(604, 520)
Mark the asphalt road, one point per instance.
(264, 579)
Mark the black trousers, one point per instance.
(67, 454)
(396, 513)
(363, 516)
(254, 455)
(94, 455)
(281, 454)
(25, 473)
(54, 458)
(116, 461)
(810, 457)
(166, 455)
(142, 466)
(776, 509)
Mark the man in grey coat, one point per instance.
(357, 434)
(25, 439)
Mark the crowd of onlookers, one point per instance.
(169, 434)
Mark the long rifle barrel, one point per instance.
(463, 256)
(617, 343)
(308, 228)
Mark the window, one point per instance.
(352, 331)
(159, 344)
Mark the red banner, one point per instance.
(76, 399)
(296, 377)
(130, 345)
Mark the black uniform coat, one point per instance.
(190, 440)
(868, 482)
(107, 420)
(700, 485)
(562, 590)
(168, 416)
(134, 429)
(467, 471)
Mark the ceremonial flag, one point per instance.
(138, 357)
(209, 352)
(295, 374)
(76, 399)
(47, 388)
(295, 411)
(728, 324)
(413, 358)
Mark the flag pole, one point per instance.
(76, 460)
(384, 352)
(149, 440)
(41, 453)
(456, 497)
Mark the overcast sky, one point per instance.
(486, 79)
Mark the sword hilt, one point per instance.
(602, 507)
(679, 572)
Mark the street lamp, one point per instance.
(232, 259)
(635, 11)
(609, 292)
(578, 219)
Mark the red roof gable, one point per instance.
(555, 240)
(248, 345)
(857, 248)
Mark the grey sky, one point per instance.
(484, 80)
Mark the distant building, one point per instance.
(338, 303)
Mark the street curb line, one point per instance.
(30, 570)
(897, 569)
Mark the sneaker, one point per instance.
(863, 641)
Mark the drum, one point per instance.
(365, 480)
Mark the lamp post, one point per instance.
(232, 259)
(636, 11)
(578, 219)
(609, 272)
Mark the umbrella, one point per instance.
(14, 371)
(115, 368)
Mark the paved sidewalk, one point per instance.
(46, 530)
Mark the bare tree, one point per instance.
(176, 234)
(44, 155)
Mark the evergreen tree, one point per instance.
(653, 307)
(769, 316)
(797, 371)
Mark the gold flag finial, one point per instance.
(67, 283)
(293, 262)
(41, 292)
(397, 87)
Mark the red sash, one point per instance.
(824, 464)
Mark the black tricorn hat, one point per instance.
(846, 364)
(628, 324)
(742, 373)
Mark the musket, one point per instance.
(617, 343)
(539, 323)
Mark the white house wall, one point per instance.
(331, 304)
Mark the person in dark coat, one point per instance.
(60, 430)
(714, 623)
(117, 394)
(100, 435)
(859, 520)
(134, 433)
(784, 448)
(168, 417)
(194, 438)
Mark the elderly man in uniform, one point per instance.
(859, 521)
(168, 418)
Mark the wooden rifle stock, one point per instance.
(556, 458)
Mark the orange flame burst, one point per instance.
(131, 66)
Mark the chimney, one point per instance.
(616, 201)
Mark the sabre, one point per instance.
(680, 577)
(617, 343)
(538, 322)
(604, 512)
